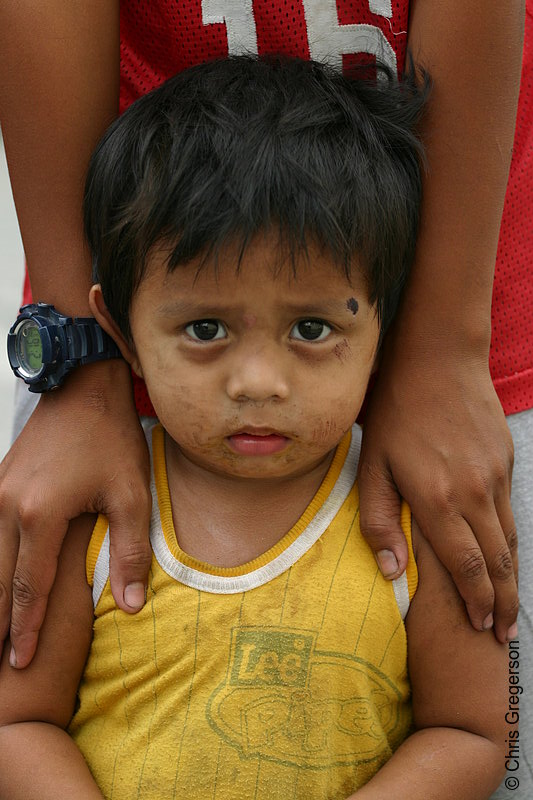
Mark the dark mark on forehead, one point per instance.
(352, 305)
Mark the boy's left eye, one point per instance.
(310, 330)
(206, 330)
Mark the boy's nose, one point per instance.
(258, 376)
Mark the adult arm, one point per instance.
(83, 448)
(38, 759)
(458, 680)
(435, 431)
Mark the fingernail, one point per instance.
(13, 658)
(512, 633)
(387, 563)
(134, 595)
(488, 622)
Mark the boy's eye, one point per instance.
(206, 330)
(310, 330)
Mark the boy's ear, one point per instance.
(105, 320)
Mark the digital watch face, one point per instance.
(29, 348)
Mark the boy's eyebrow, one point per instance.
(321, 307)
(187, 308)
(191, 309)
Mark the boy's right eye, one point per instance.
(206, 330)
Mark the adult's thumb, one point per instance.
(379, 515)
(130, 557)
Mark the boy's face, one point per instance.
(255, 373)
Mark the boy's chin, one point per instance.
(249, 459)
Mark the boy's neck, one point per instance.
(227, 521)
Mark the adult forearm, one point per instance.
(59, 91)
(434, 429)
(473, 52)
(41, 762)
(439, 763)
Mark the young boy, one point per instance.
(252, 222)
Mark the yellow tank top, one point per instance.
(283, 678)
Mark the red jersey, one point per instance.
(511, 355)
(162, 38)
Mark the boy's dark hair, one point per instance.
(229, 148)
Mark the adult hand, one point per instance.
(435, 434)
(83, 450)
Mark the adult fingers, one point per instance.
(481, 565)
(380, 506)
(8, 561)
(457, 548)
(501, 554)
(130, 552)
(478, 547)
(502, 565)
(32, 581)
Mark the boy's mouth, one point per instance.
(248, 443)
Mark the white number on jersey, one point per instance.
(328, 41)
(240, 24)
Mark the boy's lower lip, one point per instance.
(251, 444)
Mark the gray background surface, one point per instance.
(11, 280)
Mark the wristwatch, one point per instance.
(43, 346)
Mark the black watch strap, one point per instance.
(88, 342)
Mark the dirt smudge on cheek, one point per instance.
(324, 431)
(342, 350)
